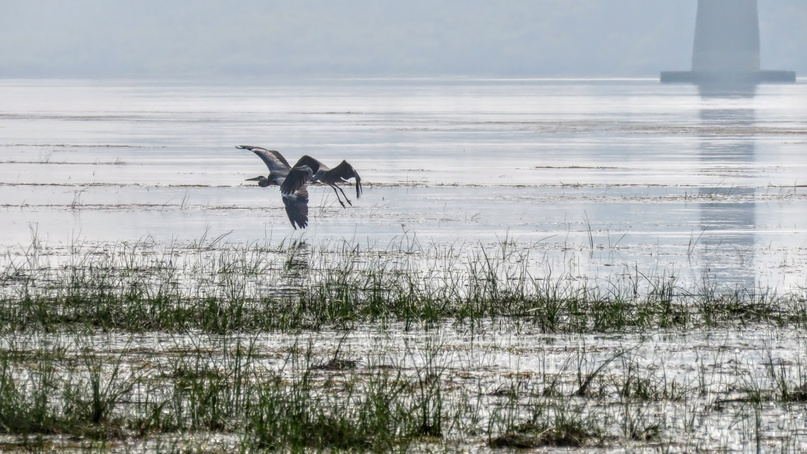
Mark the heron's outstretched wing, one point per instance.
(272, 158)
(295, 195)
(345, 171)
(314, 164)
(297, 207)
(297, 178)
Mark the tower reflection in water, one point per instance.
(728, 208)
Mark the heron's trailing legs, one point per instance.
(335, 187)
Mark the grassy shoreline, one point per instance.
(225, 289)
(211, 347)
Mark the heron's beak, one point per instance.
(258, 178)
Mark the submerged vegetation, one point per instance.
(223, 288)
(401, 347)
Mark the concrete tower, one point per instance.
(726, 47)
(726, 36)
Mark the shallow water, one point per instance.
(591, 179)
(594, 174)
(700, 384)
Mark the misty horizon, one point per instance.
(515, 38)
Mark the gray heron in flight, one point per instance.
(323, 174)
(296, 201)
(293, 180)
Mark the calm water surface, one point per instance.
(594, 177)
(589, 179)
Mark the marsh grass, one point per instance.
(373, 414)
(217, 288)
(140, 342)
(549, 421)
(59, 393)
(779, 382)
(106, 391)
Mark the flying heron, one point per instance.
(322, 173)
(293, 180)
(295, 201)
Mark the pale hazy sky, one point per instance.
(225, 38)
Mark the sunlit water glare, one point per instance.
(596, 177)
